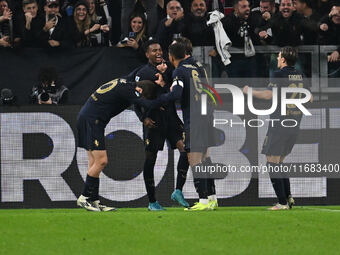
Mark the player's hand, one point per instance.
(324, 27)
(29, 18)
(245, 89)
(334, 57)
(160, 80)
(149, 123)
(162, 67)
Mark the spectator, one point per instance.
(330, 35)
(137, 35)
(286, 27)
(196, 28)
(5, 17)
(54, 33)
(128, 7)
(82, 29)
(261, 16)
(310, 23)
(172, 26)
(49, 89)
(29, 25)
(239, 28)
(102, 38)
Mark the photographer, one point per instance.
(49, 90)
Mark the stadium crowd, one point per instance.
(88, 23)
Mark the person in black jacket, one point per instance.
(330, 35)
(196, 28)
(172, 26)
(54, 33)
(28, 26)
(238, 25)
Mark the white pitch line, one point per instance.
(321, 209)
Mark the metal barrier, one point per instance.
(319, 65)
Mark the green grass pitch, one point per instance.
(229, 230)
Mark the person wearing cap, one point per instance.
(54, 32)
(82, 29)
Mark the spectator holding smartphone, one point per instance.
(54, 32)
(137, 35)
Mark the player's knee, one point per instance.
(150, 155)
(102, 162)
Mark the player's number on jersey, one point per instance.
(293, 85)
(197, 81)
(107, 86)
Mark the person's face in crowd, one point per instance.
(243, 9)
(32, 8)
(136, 24)
(280, 61)
(80, 12)
(52, 8)
(265, 7)
(286, 8)
(155, 54)
(336, 18)
(173, 8)
(3, 6)
(198, 8)
(300, 6)
(92, 6)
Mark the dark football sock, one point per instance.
(278, 186)
(182, 170)
(91, 188)
(210, 181)
(148, 174)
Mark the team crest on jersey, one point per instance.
(137, 78)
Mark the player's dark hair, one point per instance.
(186, 43)
(148, 43)
(177, 50)
(290, 54)
(307, 2)
(148, 87)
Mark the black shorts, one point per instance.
(279, 143)
(201, 138)
(154, 138)
(90, 134)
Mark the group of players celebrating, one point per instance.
(153, 89)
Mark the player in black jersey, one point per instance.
(159, 125)
(197, 140)
(106, 102)
(280, 140)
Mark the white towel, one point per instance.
(222, 40)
